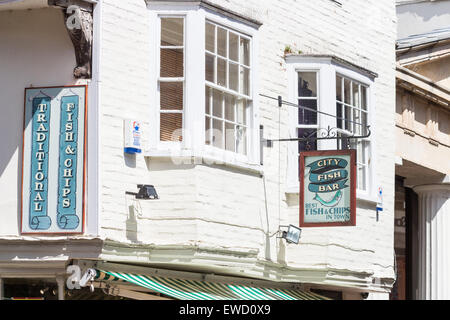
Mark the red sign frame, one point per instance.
(85, 140)
(352, 154)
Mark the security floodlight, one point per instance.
(146, 192)
(292, 235)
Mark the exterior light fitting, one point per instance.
(292, 235)
(146, 192)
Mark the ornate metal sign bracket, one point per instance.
(329, 133)
(322, 134)
(311, 135)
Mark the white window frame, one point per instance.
(327, 69)
(210, 149)
(297, 98)
(169, 144)
(193, 144)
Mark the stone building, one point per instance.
(422, 199)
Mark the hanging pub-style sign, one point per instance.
(328, 188)
(53, 164)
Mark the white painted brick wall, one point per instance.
(217, 207)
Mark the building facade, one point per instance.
(202, 78)
(422, 171)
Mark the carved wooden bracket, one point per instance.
(78, 21)
(79, 26)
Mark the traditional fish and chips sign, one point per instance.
(327, 188)
(53, 171)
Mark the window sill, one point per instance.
(189, 157)
(364, 197)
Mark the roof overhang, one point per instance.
(332, 59)
(421, 54)
(422, 86)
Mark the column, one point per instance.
(61, 283)
(433, 242)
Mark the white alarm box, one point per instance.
(132, 136)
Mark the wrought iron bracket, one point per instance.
(319, 134)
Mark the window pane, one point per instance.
(339, 113)
(347, 91)
(362, 177)
(210, 37)
(347, 117)
(361, 158)
(234, 76)
(245, 51)
(207, 100)
(364, 123)
(229, 107)
(208, 130)
(234, 46)
(221, 72)
(355, 93)
(230, 140)
(244, 81)
(363, 98)
(338, 88)
(307, 84)
(241, 116)
(361, 154)
(217, 134)
(357, 120)
(209, 67)
(306, 145)
(171, 124)
(241, 140)
(217, 104)
(171, 95)
(172, 31)
(344, 143)
(307, 116)
(172, 63)
(222, 42)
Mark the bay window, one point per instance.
(227, 88)
(351, 108)
(341, 93)
(205, 85)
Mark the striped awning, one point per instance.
(183, 289)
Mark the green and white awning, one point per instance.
(183, 289)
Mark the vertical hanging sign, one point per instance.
(53, 172)
(39, 219)
(328, 188)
